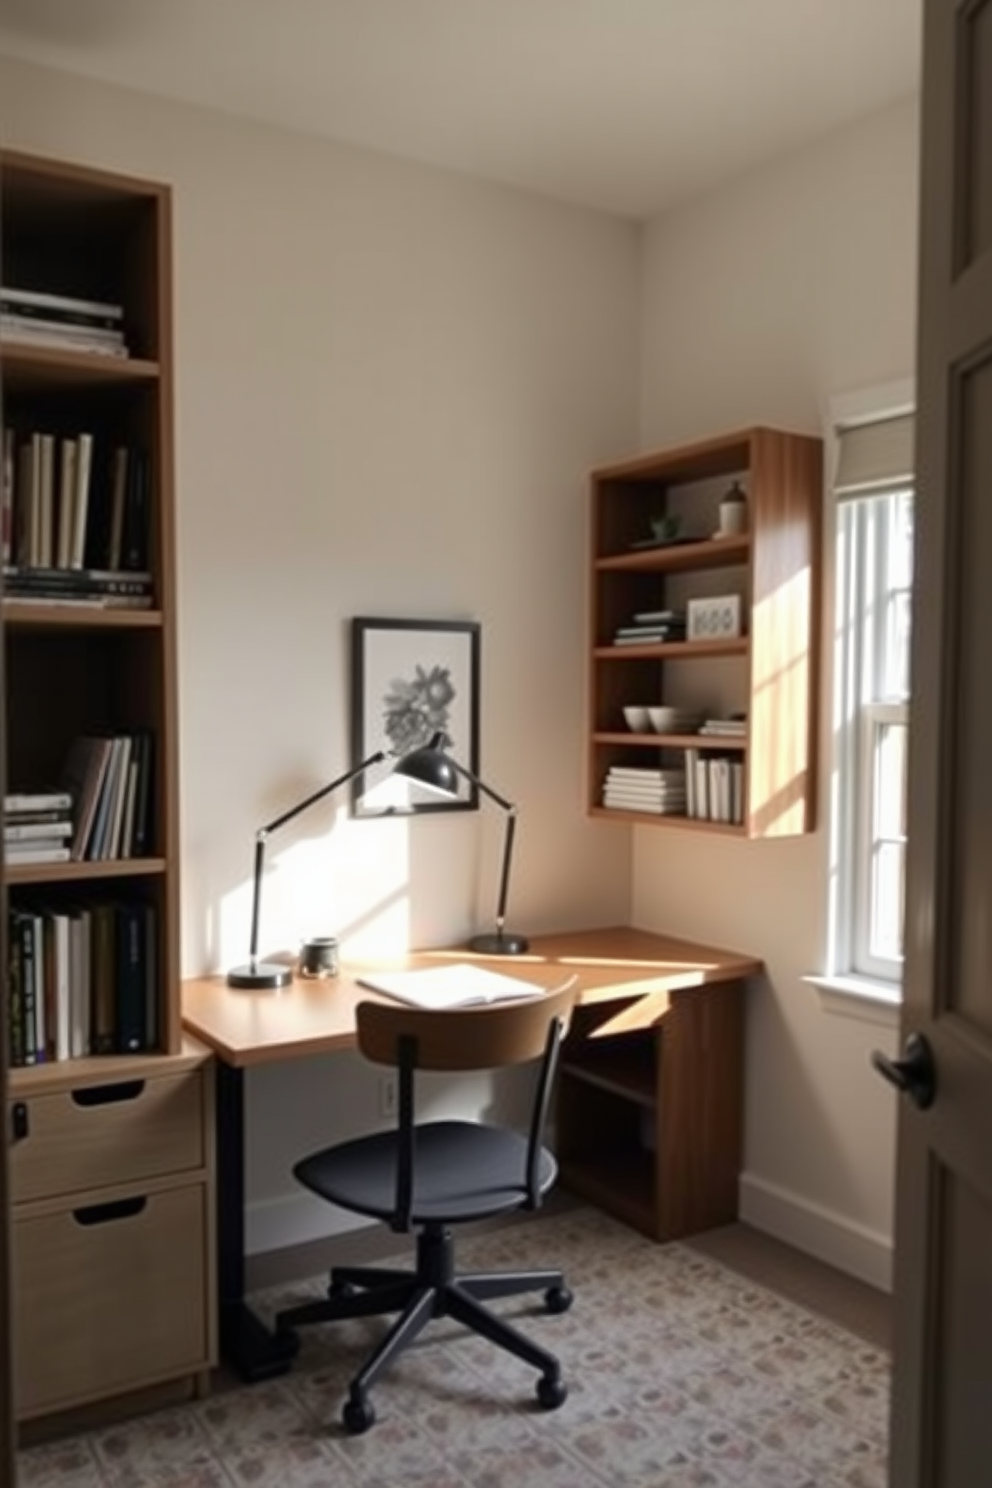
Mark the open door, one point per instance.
(942, 1391)
(7, 1471)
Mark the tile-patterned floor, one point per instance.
(681, 1374)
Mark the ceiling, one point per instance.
(626, 106)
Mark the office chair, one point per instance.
(438, 1174)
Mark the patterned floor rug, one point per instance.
(681, 1374)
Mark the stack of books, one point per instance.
(62, 322)
(636, 788)
(652, 628)
(734, 727)
(105, 588)
(110, 779)
(37, 827)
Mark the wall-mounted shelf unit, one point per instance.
(766, 673)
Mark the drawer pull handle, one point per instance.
(107, 1213)
(19, 1121)
(105, 1095)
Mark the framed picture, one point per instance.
(410, 679)
(717, 618)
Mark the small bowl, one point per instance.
(637, 719)
(663, 719)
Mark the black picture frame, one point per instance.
(410, 679)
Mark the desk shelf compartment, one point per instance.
(649, 1121)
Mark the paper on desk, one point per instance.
(458, 985)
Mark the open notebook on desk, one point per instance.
(455, 986)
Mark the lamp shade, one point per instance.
(434, 770)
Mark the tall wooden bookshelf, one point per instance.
(110, 1160)
(766, 671)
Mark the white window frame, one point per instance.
(853, 968)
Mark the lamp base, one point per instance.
(260, 976)
(499, 943)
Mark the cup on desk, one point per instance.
(319, 957)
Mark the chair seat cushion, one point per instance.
(361, 1175)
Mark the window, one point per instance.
(874, 557)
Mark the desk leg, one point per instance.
(250, 1348)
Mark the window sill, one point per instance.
(859, 997)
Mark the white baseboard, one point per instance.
(821, 1232)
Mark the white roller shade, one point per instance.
(875, 457)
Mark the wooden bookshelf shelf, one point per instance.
(79, 617)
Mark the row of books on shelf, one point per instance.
(74, 517)
(714, 786)
(103, 812)
(62, 322)
(82, 980)
(706, 787)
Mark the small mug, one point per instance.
(319, 957)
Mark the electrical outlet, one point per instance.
(387, 1096)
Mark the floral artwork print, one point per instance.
(415, 708)
(411, 680)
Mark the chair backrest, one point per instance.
(473, 1038)
(470, 1038)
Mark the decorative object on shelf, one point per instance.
(258, 975)
(411, 679)
(733, 512)
(319, 957)
(666, 528)
(715, 618)
(436, 771)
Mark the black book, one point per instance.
(130, 938)
(141, 838)
(134, 541)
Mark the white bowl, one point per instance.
(637, 718)
(663, 719)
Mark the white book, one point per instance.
(457, 985)
(79, 983)
(67, 504)
(80, 506)
(44, 300)
(25, 831)
(35, 852)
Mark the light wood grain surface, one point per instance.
(630, 967)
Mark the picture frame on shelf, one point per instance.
(411, 679)
(717, 617)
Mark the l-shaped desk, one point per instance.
(649, 1109)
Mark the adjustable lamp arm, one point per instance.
(511, 828)
(249, 976)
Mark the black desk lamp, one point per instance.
(437, 771)
(257, 974)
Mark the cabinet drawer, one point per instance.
(110, 1297)
(123, 1132)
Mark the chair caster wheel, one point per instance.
(552, 1391)
(558, 1299)
(358, 1415)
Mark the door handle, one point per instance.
(915, 1074)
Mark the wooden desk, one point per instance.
(650, 1091)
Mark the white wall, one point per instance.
(761, 302)
(391, 386)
